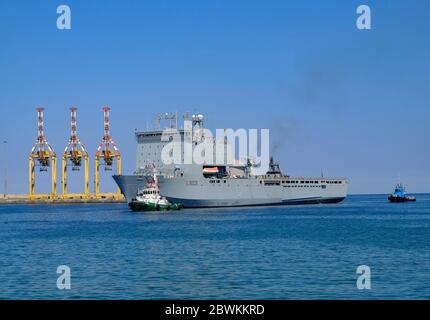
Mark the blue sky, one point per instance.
(351, 103)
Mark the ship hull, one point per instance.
(232, 192)
(208, 203)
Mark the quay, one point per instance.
(70, 199)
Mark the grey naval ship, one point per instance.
(217, 184)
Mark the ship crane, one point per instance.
(107, 151)
(42, 155)
(73, 155)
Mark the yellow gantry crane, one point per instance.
(73, 155)
(108, 152)
(43, 156)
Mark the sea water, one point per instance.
(295, 252)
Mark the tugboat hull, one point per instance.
(401, 199)
(142, 206)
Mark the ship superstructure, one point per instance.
(219, 183)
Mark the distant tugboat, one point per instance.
(149, 199)
(399, 194)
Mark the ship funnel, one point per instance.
(273, 167)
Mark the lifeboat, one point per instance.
(210, 170)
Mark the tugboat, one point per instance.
(399, 194)
(149, 199)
